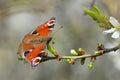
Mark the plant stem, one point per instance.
(83, 56)
(78, 57)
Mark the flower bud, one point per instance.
(71, 61)
(90, 65)
(68, 60)
(97, 52)
(82, 61)
(100, 46)
(73, 52)
(81, 51)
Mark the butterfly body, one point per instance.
(33, 45)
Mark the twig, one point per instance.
(105, 50)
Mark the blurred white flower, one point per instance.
(115, 30)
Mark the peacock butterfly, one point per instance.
(32, 47)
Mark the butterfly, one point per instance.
(33, 45)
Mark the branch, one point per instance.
(101, 50)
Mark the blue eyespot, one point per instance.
(27, 52)
(34, 32)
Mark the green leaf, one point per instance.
(101, 19)
(91, 13)
(96, 9)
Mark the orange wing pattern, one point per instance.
(35, 52)
(45, 28)
(34, 43)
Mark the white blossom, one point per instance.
(116, 30)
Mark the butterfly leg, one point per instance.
(45, 54)
(49, 40)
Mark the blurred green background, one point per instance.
(19, 17)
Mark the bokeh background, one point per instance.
(19, 17)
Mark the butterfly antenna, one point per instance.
(53, 44)
(53, 34)
(57, 29)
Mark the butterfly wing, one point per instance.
(33, 44)
(45, 28)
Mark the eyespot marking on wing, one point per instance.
(45, 28)
(35, 61)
